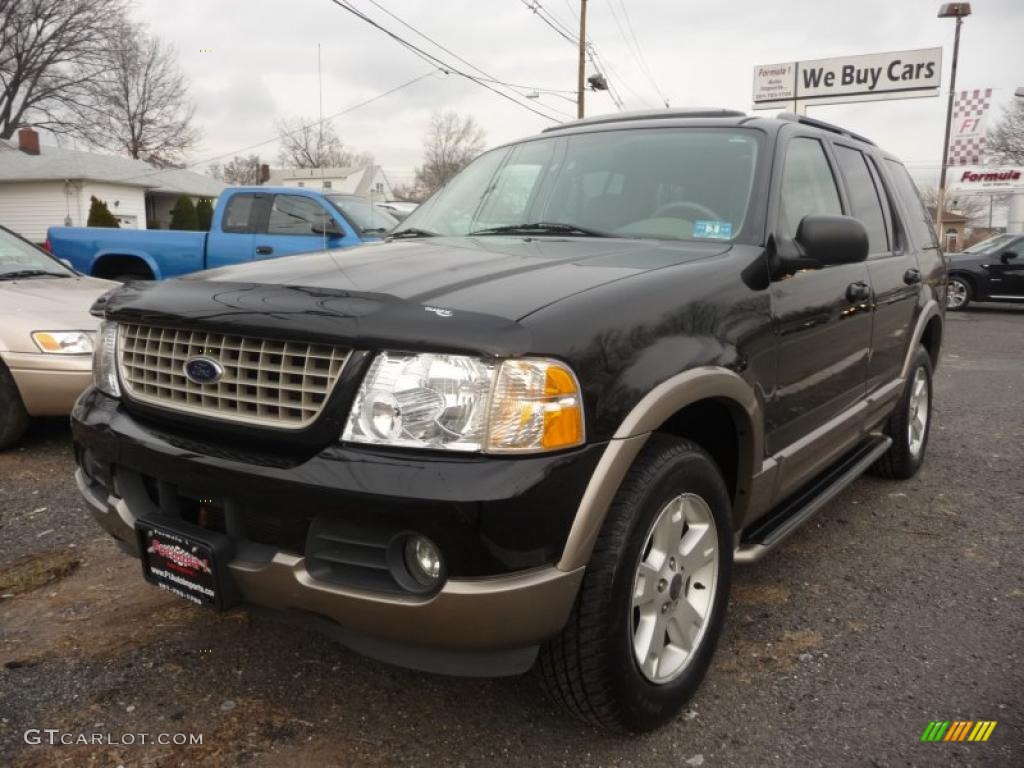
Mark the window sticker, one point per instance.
(716, 230)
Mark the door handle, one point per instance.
(264, 250)
(857, 291)
(912, 276)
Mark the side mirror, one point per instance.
(825, 240)
(1006, 256)
(330, 228)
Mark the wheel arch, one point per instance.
(112, 263)
(712, 406)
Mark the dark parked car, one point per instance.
(543, 421)
(992, 270)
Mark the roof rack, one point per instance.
(792, 118)
(648, 114)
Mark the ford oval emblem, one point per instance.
(203, 370)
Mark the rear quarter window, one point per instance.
(919, 223)
(238, 214)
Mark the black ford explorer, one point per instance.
(541, 423)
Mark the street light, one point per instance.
(956, 11)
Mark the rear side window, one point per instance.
(919, 223)
(238, 214)
(808, 186)
(864, 198)
(295, 215)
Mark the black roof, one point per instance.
(710, 114)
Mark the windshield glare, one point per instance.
(16, 256)
(990, 244)
(669, 183)
(364, 214)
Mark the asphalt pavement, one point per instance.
(898, 605)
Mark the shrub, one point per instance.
(100, 215)
(183, 214)
(204, 214)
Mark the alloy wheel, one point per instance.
(956, 294)
(917, 423)
(674, 588)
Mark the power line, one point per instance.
(301, 128)
(599, 63)
(636, 50)
(343, 4)
(486, 76)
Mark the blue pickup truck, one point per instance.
(249, 224)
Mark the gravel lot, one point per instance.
(900, 604)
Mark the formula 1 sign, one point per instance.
(874, 76)
(979, 179)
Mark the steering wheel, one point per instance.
(675, 209)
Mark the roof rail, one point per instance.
(648, 114)
(790, 117)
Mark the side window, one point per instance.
(864, 198)
(295, 215)
(808, 186)
(238, 214)
(919, 223)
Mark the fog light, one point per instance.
(423, 559)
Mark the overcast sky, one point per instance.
(262, 63)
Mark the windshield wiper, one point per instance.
(30, 273)
(371, 230)
(412, 232)
(542, 228)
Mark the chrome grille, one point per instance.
(266, 382)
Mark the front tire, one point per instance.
(958, 293)
(653, 600)
(910, 424)
(13, 417)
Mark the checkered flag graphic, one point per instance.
(967, 146)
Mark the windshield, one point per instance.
(990, 244)
(666, 183)
(19, 258)
(363, 214)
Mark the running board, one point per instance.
(768, 533)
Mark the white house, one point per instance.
(43, 186)
(366, 181)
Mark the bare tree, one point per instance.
(1006, 140)
(237, 170)
(307, 143)
(139, 103)
(973, 206)
(450, 144)
(49, 52)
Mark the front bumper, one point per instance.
(478, 622)
(49, 384)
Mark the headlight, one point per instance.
(461, 403)
(63, 342)
(104, 360)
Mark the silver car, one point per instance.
(46, 334)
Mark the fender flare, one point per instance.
(930, 310)
(666, 399)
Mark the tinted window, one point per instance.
(294, 215)
(864, 198)
(808, 186)
(239, 210)
(920, 224)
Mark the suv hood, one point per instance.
(461, 293)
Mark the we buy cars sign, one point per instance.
(870, 77)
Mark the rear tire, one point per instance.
(13, 416)
(905, 426)
(628, 608)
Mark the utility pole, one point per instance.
(957, 11)
(581, 80)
